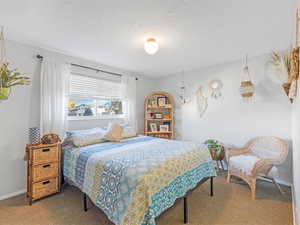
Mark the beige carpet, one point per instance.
(230, 205)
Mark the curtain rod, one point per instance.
(90, 68)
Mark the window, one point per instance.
(94, 98)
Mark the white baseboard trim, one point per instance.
(295, 216)
(10, 195)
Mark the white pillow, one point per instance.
(92, 137)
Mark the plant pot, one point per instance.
(286, 87)
(4, 93)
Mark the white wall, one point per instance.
(22, 111)
(144, 87)
(17, 114)
(229, 119)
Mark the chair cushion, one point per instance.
(243, 163)
(264, 152)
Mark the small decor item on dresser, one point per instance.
(217, 150)
(34, 135)
(50, 139)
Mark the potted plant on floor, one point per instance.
(10, 78)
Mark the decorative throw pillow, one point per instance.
(128, 132)
(114, 132)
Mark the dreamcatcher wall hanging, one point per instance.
(215, 87)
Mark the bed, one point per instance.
(135, 180)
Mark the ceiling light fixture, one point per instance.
(151, 46)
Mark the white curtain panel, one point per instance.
(129, 97)
(55, 77)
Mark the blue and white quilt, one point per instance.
(134, 181)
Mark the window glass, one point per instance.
(109, 107)
(92, 98)
(81, 107)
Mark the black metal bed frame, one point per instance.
(185, 200)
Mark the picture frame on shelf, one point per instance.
(153, 127)
(164, 128)
(161, 101)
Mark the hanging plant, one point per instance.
(10, 78)
(282, 62)
(287, 67)
(247, 87)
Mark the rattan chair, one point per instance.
(256, 160)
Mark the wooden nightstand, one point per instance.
(43, 170)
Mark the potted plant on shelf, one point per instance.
(10, 78)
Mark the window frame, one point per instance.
(94, 97)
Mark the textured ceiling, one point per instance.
(191, 33)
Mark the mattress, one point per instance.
(135, 180)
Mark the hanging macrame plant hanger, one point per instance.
(247, 87)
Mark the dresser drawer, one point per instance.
(44, 171)
(44, 188)
(45, 155)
